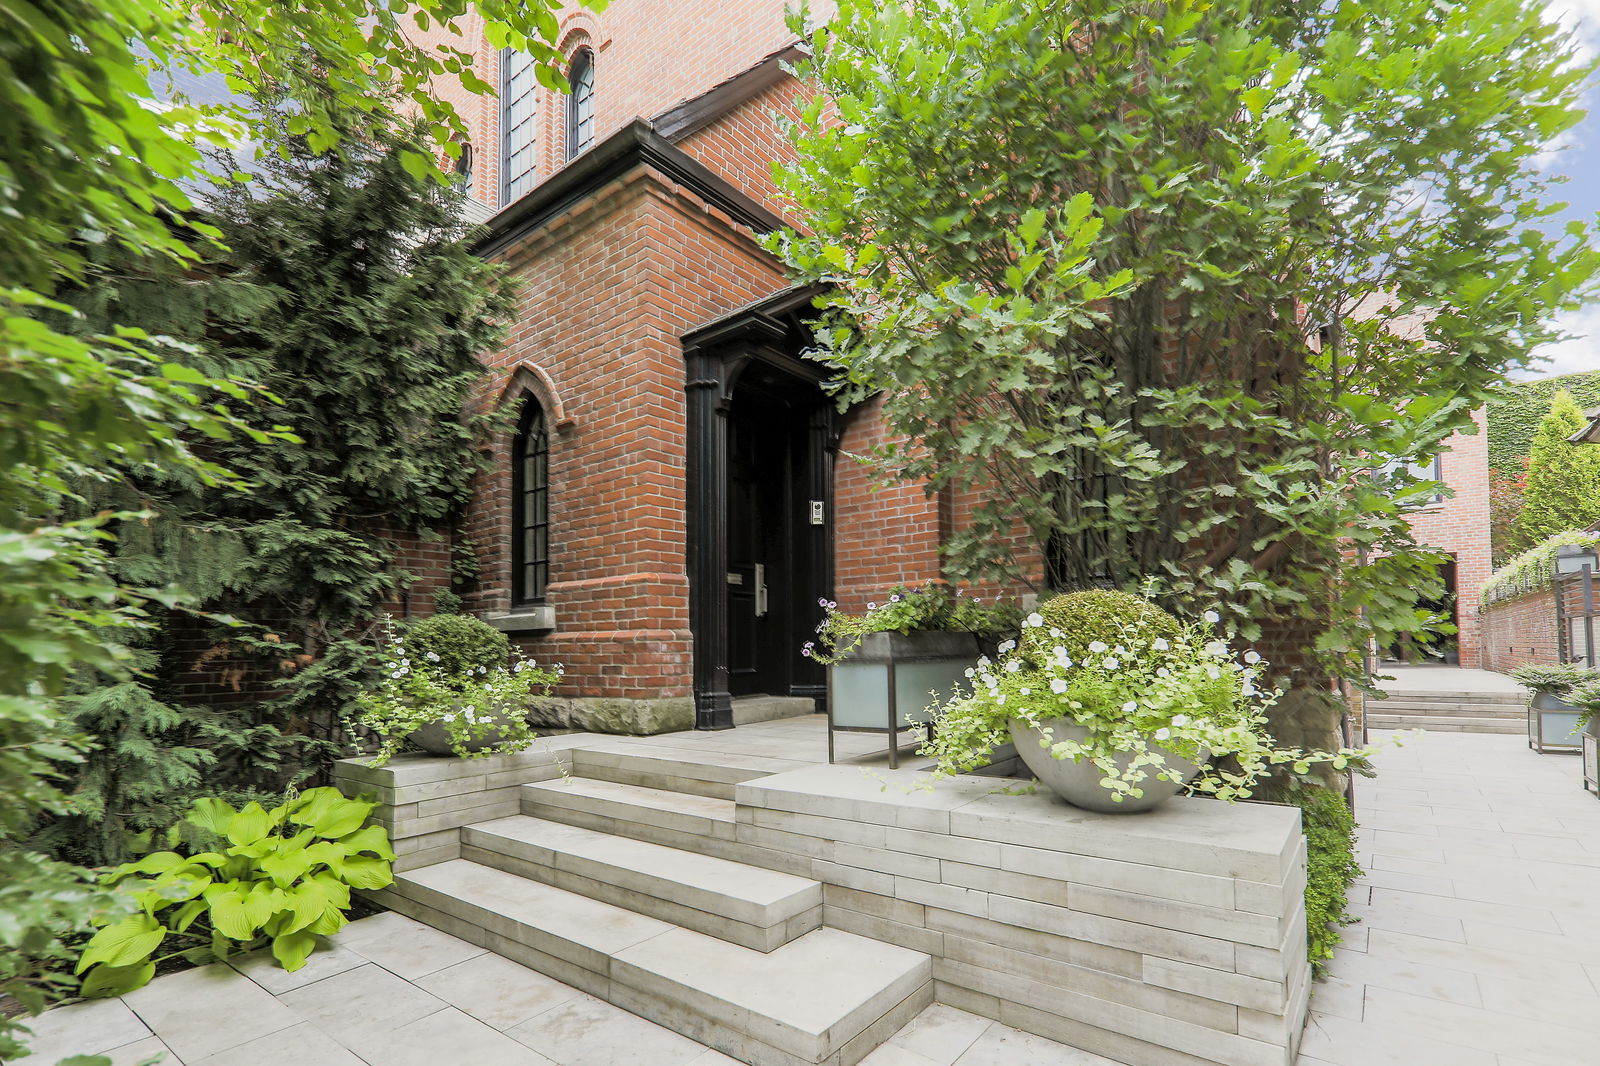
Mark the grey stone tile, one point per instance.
(354, 1002)
(497, 991)
(139, 1052)
(446, 1036)
(403, 946)
(327, 960)
(941, 1033)
(87, 1028)
(587, 1032)
(303, 1044)
(212, 1008)
(1001, 1045)
(895, 1055)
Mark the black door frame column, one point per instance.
(771, 332)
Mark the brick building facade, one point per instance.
(665, 519)
(1459, 526)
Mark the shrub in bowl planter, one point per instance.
(448, 690)
(1134, 721)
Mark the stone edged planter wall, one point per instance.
(425, 800)
(1175, 936)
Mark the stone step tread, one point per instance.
(680, 762)
(739, 891)
(658, 799)
(1462, 725)
(1508, 714)
(808, 997)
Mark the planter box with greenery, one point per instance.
(1555, 723)
(890, 666)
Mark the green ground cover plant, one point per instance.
(1331, 867)
(280, 878)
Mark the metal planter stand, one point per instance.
(1553, 724)
(889, 682)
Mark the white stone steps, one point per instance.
(1475, 710)
(676, 819)
(827, 997)
(1446, 724)
(673, 771)
(745, 905)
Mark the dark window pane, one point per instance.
(530, 492)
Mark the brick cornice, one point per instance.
(635, 145)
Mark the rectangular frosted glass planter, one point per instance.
(1552, 725)
(891, 681)
(1591, 763)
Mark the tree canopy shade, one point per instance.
(87, 158)
(1169, 284)
(1563, 485)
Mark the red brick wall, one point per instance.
(605, 294)
(1460, 526)
(743, 145)
(1520, 631)
(649, 55)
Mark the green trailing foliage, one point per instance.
(280, 877)
(934, 607)
(1182, 332)
(1516, 409)
(1331, 867)
(1533, 569)
(1562, 490)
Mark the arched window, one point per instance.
(519, 124)
(464, 171)
(530, 506)
(580, 104)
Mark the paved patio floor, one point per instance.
(1479, 945)
(1479, 942)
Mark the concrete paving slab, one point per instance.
(88, 1028)
(497, 991)
(212, 1008)
(405, 947)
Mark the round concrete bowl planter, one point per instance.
(1079, 782)
(434, 739)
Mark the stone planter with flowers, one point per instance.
(1117, 706)
(451, 685)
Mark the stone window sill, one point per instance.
(533, 619)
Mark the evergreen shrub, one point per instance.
(1074, 620)
(461, 642)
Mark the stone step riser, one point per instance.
(1508, 714)
(633, 978)
(1449, 699)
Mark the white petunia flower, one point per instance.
(1058, 686)
(1025, 691)
(1212, 616)
(1013, 666)
(970, 671)
(1252, 657)
(1034, 620)
(1213, 673)
(1217, 647)
(1180, 719)
(1247, 690)
(1162, 671)
(1160, 644)
(1098, 646)
(1112, 664)
(1054, 632)
(1130, 706)
(1120, 650)
(1006, 645)
(1163, 734)
(1000, 698)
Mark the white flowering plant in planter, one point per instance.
(483, 709)
(1147, 706)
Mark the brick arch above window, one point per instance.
(530, 379)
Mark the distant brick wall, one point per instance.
(1460, 526)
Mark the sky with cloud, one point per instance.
(1579, 161)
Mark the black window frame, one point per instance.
(509, 181)
(582, 64)
(532, 441)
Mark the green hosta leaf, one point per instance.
(228, 914)
(249, 825)
(329, 813)
(292, 949)
(123, 943)
(211, 815)
(374, 838)
(104, 981)
(359, 871)
(185, 915)
(287, 865)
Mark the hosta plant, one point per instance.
(1151, 697)
(279, 877)
(483, 708)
